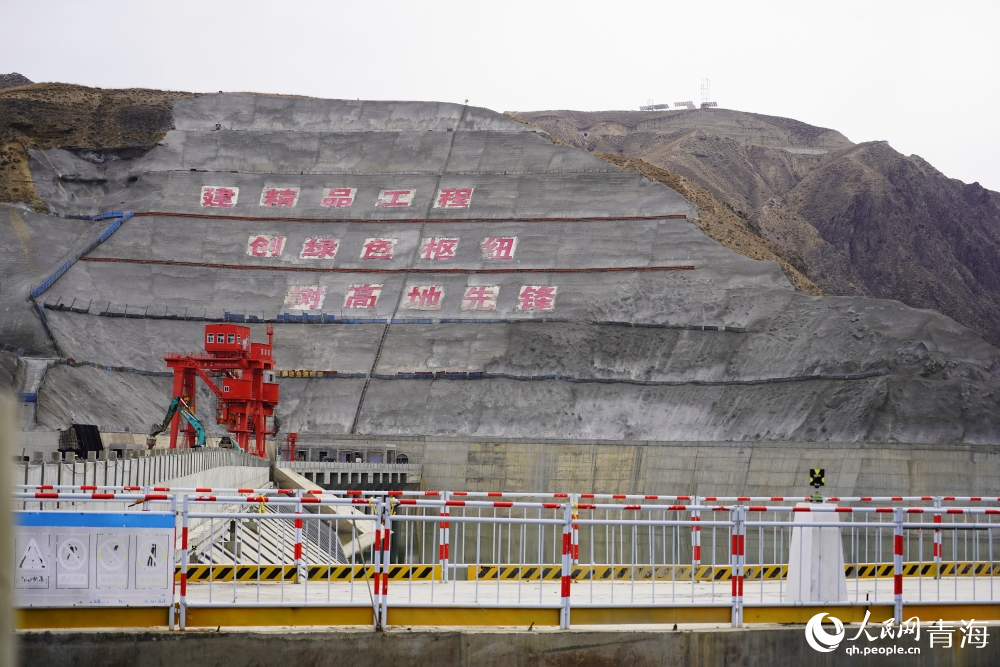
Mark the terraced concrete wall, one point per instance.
(32, 247)
(453, 273)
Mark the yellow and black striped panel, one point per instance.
(415, 572)
(868, 570)
(203, 573)
(398, 572)
(596, 572)
(765, 572)
(717, 572)
(275, 573)
(645, 572)
(424, 572)
(515, 572)
(341, 572)
(965, 569)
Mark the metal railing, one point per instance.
(410, 558)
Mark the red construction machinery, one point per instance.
(243, 382)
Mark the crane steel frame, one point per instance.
(247, 394)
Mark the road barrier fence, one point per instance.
(316, 557)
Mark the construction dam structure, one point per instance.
(523, 388)
(448, 271)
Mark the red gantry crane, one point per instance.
(247, 391)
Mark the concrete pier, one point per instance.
(816, 561)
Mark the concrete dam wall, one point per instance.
(693, 468)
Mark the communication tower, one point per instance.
(706, 94)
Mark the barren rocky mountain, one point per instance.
(859, 219)
(100, 124)
(13, 80)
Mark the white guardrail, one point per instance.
(279, 557)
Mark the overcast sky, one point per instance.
(923, 75)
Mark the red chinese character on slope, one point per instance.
(305, 297)
(218, 196)
(263, 245)
(435, 248)
(453, 198)
(480, 297)
(319, 248)
(502, 247)
(378, 248)
(389, 198)
(338, 197)
(424, 297)
(286, 197)
(362, 296)
(537, 297)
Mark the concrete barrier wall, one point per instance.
(227, 477)
(700, 468)
(770, 647)
(212, 468)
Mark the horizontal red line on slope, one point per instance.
(318, 269)
(204, 216)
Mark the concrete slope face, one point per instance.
(32, 247)
(453, 272)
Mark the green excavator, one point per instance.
(181, 406)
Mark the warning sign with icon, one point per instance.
(72, 559)
(32, 565)
(112, 561)
(151, 566)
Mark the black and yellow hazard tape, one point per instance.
(716, 572)
(506, 572)
(399, 572)
(202, 573)
(415, 572)
(870, 570)
(952, 569)
(275, 573)
(595, 572)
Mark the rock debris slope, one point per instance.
(863, 220)
(453, 272)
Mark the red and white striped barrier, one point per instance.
(567, 558)
(178, 490)
(78, 497)
(184, 562)
(443, 540)
(385, 544)
(643, 498)
(301, 572)
(875, 510)
(737, 559)
(575, 545)
(897, 565)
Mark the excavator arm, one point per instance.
(177, 405)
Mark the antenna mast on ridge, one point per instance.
(706, 94)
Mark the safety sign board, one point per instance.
(93, 558)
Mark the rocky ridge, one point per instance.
(863, 219)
